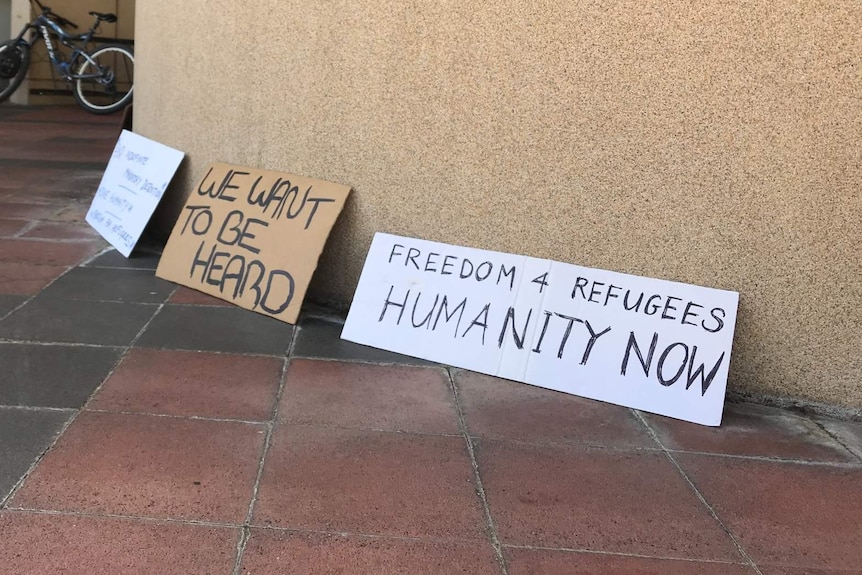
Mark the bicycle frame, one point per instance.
(101, 75)
(43, 27)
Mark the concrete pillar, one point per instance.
(20, 15)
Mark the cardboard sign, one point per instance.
(133, 183)
(645, 343)
(253, 237)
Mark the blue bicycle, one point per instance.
(102, 80)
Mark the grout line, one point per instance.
(52, 164)
(331, 318)
(749, 561)
(75, 415)
(121, 268)
(837, 439)
(88, 514)
(768, 459)
(292, 344)
(46, 286)
(109, 248)
(59, 343)
(215, 352)
(230, 525)
(37, 408)
(480, 490)
(98, 300)
(573, 444)
(258, 422)
(370, 429)
(175, 416)
(587, 445)
(13, 117)
(123, 355)
(245, 532)
(244, 536)
(372, 362)
(31, 223)
(98, 254)
(32, 297)
(622, 554)
(204, 305)
(20, 482)
(435, 540)
(51, 240)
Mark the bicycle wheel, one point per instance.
(14, 60)
(104, 81)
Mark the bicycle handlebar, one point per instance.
(46, 11)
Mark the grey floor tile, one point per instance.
(111, 284)
(76, 321)
(322, 339)
(849, 433)
(24, 435)
(225, 329)
(52, 375)
(10, 302)
(139, 260)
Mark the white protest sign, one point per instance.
(644, 343)
(133, 183)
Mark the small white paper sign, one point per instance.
(644, 343)
(133, 183)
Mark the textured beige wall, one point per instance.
(714, 143)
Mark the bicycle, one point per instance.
(102, 80)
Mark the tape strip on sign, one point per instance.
(644, 343)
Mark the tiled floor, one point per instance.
(148, 428)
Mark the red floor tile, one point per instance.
(748, 429)
(29, 133)
(190, 296)
(148, 466)
(599, 500)
(289, 553)
(774, 570)
(785, 514)
(389, 398)
(76, 213)
(58, 194)
(56, 187)
(25, 279)
(369, 482)
(46, 252)
(193, 383)
(66, 115)
(544, 562)
(19, 176)
(11, 227)
(61, 231)
(23, 211)
(34, 544)
(498, 408)
(93, 151)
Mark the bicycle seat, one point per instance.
(110, 18)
